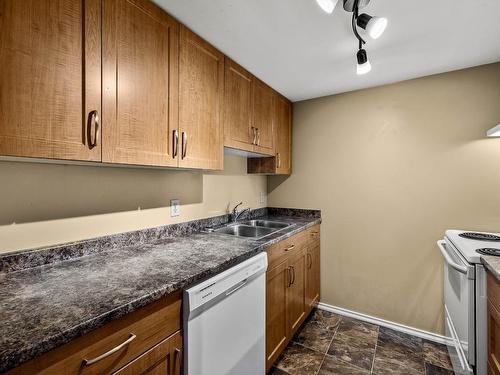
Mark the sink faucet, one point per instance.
(235, 215)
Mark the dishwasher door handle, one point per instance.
(240, 285)
(462, 269)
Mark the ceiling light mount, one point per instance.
(349, 5)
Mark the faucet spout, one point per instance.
(235, 214)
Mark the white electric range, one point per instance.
(465, 298)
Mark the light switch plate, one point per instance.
(262, 197)
(175, 207)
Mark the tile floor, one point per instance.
(328, 344)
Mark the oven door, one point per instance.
(459, 308)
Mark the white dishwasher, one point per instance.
(225, 322)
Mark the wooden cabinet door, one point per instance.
(278, 279)
(493, 339)
(312, 275)
(296, 308)
(263, 115)
(164, 358)
(283, 136)
(238, 107)
(50, 78)
(201, 94)
(140, 83)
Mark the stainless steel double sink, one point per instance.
(255, 229)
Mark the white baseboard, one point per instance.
(385, 323)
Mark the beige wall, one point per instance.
(392, 168)
(46, 204)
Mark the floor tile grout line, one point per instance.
(333, 336)
(375, 351)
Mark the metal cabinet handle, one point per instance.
(184, 144)
(291, 247)
(254, 133)
(314, 233)
(462, 269)
(278, 157)
(93, 119)
(293, 275)
(177, 354)
(289, 269)
(88, 362)
(309, 261)
(258, 137)
(176, 143)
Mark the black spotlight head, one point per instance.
(362, 56)
(363, 20)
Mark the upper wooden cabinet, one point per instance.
(201, 96)
(140, 83)
(50, 79)
(281, 163)
(263, 117)
(238, 107)
(248, 111)
(169, 98)
(283, 135)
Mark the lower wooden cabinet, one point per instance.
(493, 288)
(313, 269)
(276, 308)
(162, 359)
(149, 341)
(292, 288)
(296, 306)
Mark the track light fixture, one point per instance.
(374, 26)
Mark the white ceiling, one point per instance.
(304, 53)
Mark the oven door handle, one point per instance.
(462, 269)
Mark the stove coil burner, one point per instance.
(489, 251)
(480, 236)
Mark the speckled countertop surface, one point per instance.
(492, 264)
(44, 307)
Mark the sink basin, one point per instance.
(241, 230)
(266, 224)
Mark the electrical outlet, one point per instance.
(175, 207)
(262, 197)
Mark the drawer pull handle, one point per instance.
(291, 247)
(88, 362)
(314, 233)
(93, 119)
(184, 145)
(177, 354)
(176, 143)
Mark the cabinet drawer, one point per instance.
(164, 358)
(313, 235)
(149, 325)
(289, 246)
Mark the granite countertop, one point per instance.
(49, 305)
(492, 264)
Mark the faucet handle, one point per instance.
(236, 207)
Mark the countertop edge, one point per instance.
(492, 264)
